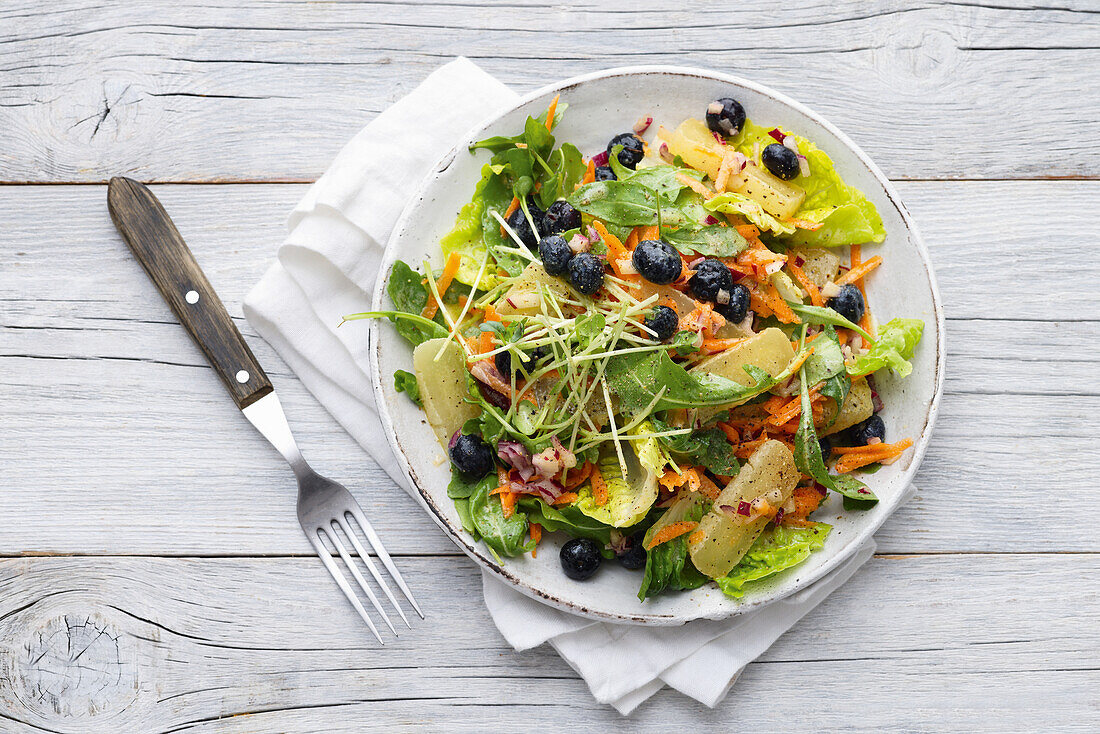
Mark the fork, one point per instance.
(326, 509)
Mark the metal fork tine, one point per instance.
(341, 581)
(380, 551)
(354, 538)
(350, 562)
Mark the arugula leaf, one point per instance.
(897, 340)
(662, 180)
(409, 296)
(826, 365)
(807, 453)
(777, 549)
(623, 204)
(406, 382)
(708, 448)
(714, 240)
(686, 342)
(637, 378)
(463, 507)
(668, 566)
(504, 535)
(825, 315)
(460, 488)
(567, 518)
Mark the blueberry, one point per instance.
(560, 217)
(580, 558)
(503, 361)
(710, 277)
(632, 151)
(586, 273)
(538, 354)
(657, 261)
(518, 222)
(604, 173)
(826, 447)
(848, 303)
(634, 558)
(863, 432)
(664, 321)
(725, 116)
(555, 254)
(738, 307)
(471, 456)
(780, 160)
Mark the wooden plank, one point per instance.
(127, 644)
(182, 473)
(943, 89)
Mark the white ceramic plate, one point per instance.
(601, 105)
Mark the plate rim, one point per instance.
(472, 549)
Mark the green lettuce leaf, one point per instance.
(777, 549)
(713, 240)
(567, 518)
(624, 204)
(406, 382)
(732, 202)
(893, 347)
(708, 448)
(468, 237)
(504, 535)
(629, 496)
(667, 566)
(846, 215)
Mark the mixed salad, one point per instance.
(663, 351)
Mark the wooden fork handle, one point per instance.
(158, 246)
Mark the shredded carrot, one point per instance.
(792, 409)
(806, 500)
(550, 112)
(778, 306)
(615, 250)
(874, 448)
(696, 537)
(748, 448)
(803, 224)
(536, 535)
(748, 231)
(708, 488)
(632, 239)
(697, 186)
(859, 271)
(502, 475)
(599, 486)
(711, 346)
(800, 359)
(491, 313)
(501, 489)
(444, 282)
(733, 434)
(508, 503)
(851, 460)
(485, 342)
(855, 261)
(651, 232)
(589, 174)
(671, 479)
(805, 282)
(566, 498)
(669, 532)
(580, 477)
(512, 207)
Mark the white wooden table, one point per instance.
(153, 577)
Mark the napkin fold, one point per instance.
(327, 267)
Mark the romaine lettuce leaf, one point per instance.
(893, 347)
(668, 566)
(629, 497)
(468, 239)
(846, 215)
(777, 549)
(732, 202)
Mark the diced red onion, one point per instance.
(510, 302)
(695, 262)
(777, 134)
(578, 244)
(593, 235)
(799, 261)
(454, 439)
(719, 138)
(723, 297)
(820, 489)
(710, 220)
(873, 440)
(666, 154)
(494, 398)
(642, 124)
(626, 267)
(779, 516)
(803, 165)
(600, 159)
(790, 144)
(876, 402)
(744, 508)
(861, 490)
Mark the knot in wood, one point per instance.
(73, 667)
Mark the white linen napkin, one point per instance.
(327, 268)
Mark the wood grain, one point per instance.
(268, 643)
(158, 246)
(224, 90)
